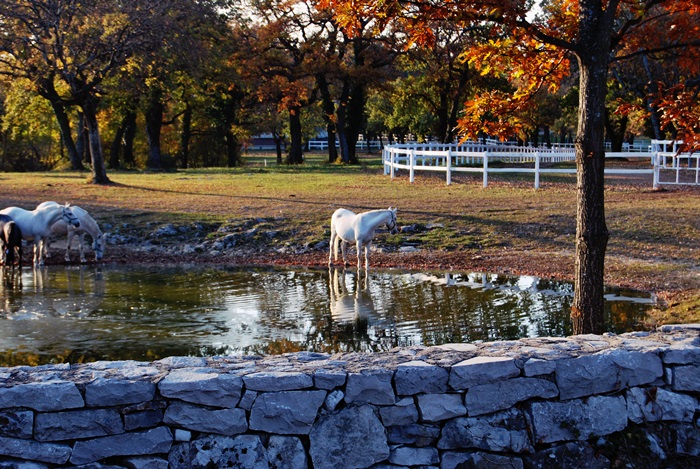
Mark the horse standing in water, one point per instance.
(35, 225)
(87, 225)
(348, 227)
(11, 240)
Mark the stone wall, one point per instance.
(592, 401)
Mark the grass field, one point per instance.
(508, 226)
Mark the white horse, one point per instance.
(36, 224)
(348, 227)
(87, 225)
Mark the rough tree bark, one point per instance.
(587, 310)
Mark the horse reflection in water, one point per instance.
(37, 297)
(351, 306)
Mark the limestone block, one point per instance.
(16, 423)
(686, 378)
(154, 441)
(636, 368)
(286, 412)
(51, 453)
(325, 379)
(353, 437)
(411, 456)
(487, 398)
(213, 389)
(371, 387)
(479, 460)
(220, 421)
(577, 419)
(244, 451)
(46, 396)
(286, 452)
(413, 434)
(75, 424)
(657, 404)
(537, 367)
(247, 400)
(481, 370)
(333, 399)
(437, 407)
(144, 419)
(500, 432)
(420, 377)
(277, 381)
(107, 392)
(404, 412)
(681, 354)
(586, 375)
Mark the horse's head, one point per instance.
(69, 217)
(98, 245)
(391, 224)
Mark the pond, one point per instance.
(110, 312)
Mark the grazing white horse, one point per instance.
(349, 227)
(87, 225)
(35, 225)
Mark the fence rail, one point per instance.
(473, 157)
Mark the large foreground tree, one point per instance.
(528, 43)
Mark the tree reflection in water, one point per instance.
(91, 313)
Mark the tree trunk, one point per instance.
(341, 116)
(116, 146)
(616, 130)
(82, 140)
(296, 151)
(233, 150)
(328, 116)
(587, 311)
(154, 125)
(64, 126)
(47, 90)
(185, 137)
(99, 174)
(278, 148)
(129, 136)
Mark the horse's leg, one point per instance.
(81, 247)
(333, 247)
(358, 245)
(343, 249)
(69, 241)
(367, 255)
(38, 246)
(46, 245)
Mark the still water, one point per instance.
(90, 313)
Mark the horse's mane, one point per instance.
(91, 224)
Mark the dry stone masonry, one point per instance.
(544, 402)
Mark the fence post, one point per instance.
(657, 164)
(537, 170)
(412, 163)
(392, 154)
(449, 166)
(385, 160)
(486, 168)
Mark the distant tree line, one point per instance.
(97, 84)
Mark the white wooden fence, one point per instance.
(474, 157)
